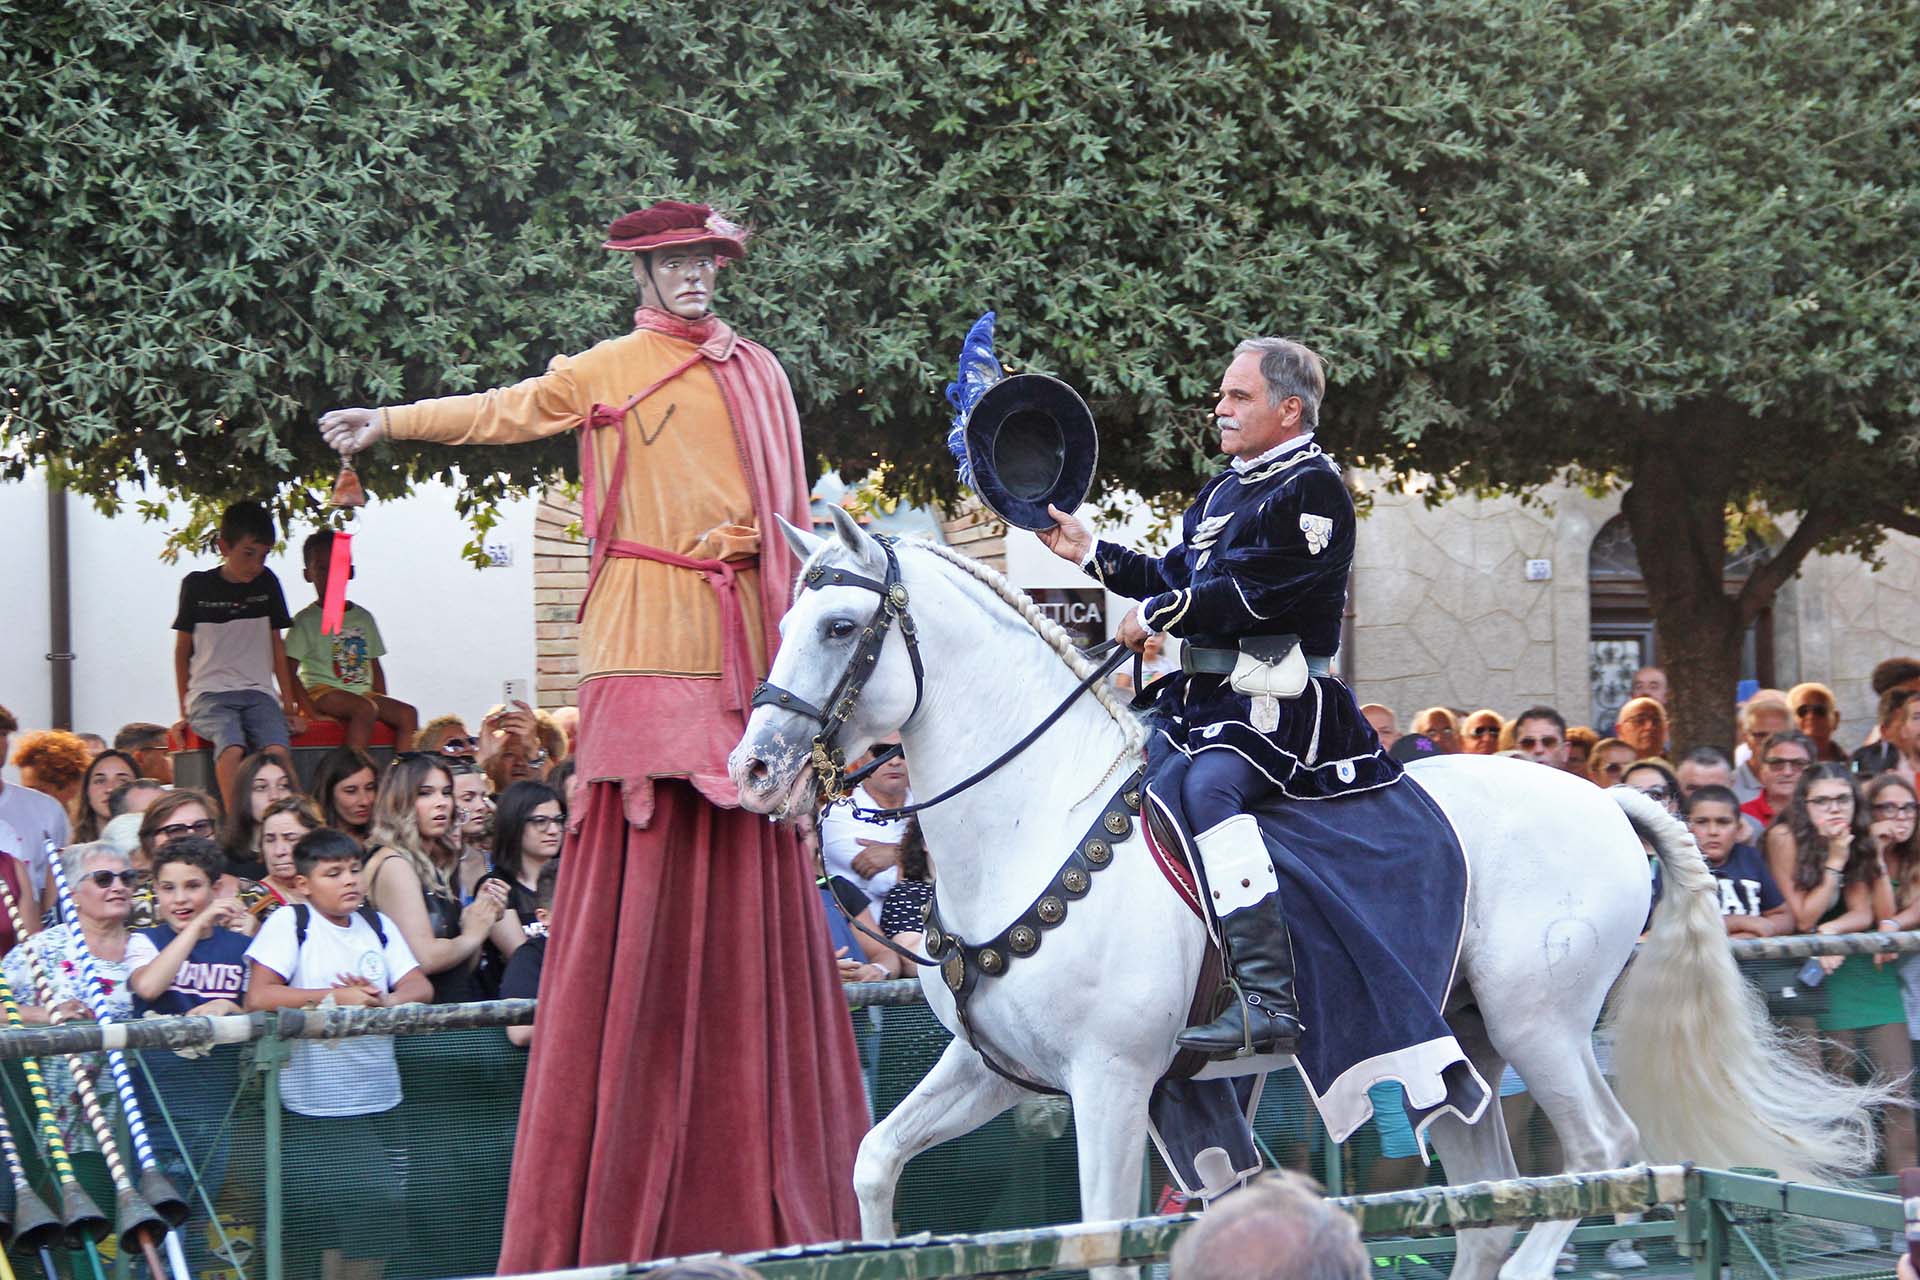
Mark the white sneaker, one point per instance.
(1568, 1260)
(1622, 1256)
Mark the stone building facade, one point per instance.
(1471, 602)
(1444, 611)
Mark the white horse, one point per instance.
(1559, 892)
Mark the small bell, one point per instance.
(347, 490)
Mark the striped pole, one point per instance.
(136, 1224)
(154, 1185)
(34, 1225)
(84, 1221)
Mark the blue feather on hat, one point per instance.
(979, 371)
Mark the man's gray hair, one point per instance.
(75, 857)
(1277, 1227)
(1290, 369)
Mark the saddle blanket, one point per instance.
(1374, 888)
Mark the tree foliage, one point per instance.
(1528, 235)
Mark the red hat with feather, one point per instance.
(672, 222)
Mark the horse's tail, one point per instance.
(1702, 1070)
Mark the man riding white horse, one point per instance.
(1256, 588)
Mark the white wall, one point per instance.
(455, 632)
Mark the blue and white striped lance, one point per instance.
(95, 990)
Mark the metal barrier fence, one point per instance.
(1723, 1223)
(423, 1189)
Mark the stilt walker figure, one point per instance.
(694, 1084)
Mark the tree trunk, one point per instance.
(1679, 519)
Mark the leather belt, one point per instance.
(1198, 661)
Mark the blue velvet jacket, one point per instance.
(1265, 552)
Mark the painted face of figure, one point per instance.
(1250, 425)
(678, 280)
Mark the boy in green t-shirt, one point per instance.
(339, 676)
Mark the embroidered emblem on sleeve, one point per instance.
(1205, 534)
(1319, 531)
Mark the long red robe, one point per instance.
(694, 1084)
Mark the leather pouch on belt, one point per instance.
(1270, 667)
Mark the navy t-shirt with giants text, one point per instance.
(197, 1092)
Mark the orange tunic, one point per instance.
(685, 492)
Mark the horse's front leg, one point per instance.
(1110, 1126)
(956, 1097)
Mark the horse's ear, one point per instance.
(804, 543)
(853, 537)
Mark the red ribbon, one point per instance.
(333, 608)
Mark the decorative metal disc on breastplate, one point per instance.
(955, 971)
(935, 941)
(1050, 910)
(1117, 823)
(1023, 940)
(991, 961)
(1133, 799)
(1074, 881)
(1098, 851)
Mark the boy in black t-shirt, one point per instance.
(228, 659)
(522, 978)
(1750, 901)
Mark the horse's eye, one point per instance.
(840, 628)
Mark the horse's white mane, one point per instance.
(1056, 636)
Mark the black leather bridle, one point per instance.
(829, 758)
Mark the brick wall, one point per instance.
(971, 528)
(559, 581)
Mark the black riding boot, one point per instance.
(1245, 894)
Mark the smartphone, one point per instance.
(513, 691)
(1811, 974)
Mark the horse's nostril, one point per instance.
(757, 772)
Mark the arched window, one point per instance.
(1620, 637)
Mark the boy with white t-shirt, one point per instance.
(342, 1095)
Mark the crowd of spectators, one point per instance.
(1803, 836)
(269, 887)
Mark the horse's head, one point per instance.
(820, 649)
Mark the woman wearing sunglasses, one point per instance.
(178, 813)
(102, 881)
(1654, 780)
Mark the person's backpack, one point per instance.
(303, 913)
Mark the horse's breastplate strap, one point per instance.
(963, 963)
